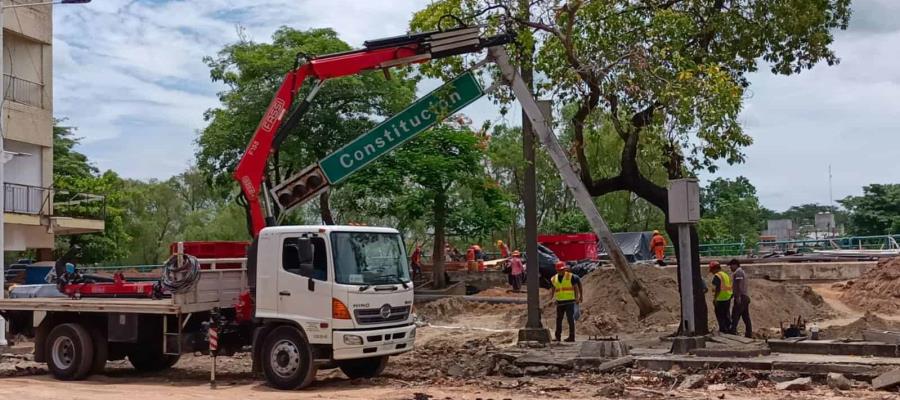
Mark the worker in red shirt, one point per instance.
(470, 258)
(516, 270)
(504, 251)
(658, 247)
(416, 261)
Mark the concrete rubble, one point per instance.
(796, 384)
(838, 381)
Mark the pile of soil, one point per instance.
(609, 309)
(878, 290)
(455, 309)
(449, 356)
(855, 329)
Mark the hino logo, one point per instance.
(385, 311)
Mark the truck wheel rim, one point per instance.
(285, 358)
(63, 352)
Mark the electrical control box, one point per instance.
(684, 201)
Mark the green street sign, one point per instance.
(415, 119)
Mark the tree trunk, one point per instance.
(437, 255)
(325, 208)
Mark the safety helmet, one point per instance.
(714, 266)
(656, 232)
(516, 253)
(561, 266)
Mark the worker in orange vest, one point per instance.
(658, 247)
(504, 251)
(416, 261)
(470, 258)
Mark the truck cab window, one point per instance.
(290, 258)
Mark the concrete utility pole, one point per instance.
(684, 211)
(573, 181)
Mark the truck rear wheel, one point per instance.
(287, 359)
(70, 352)
(151, 360)
(363, 367)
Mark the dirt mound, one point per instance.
(454, 309)
(446, 356)
(878, 290)
(501, 292)
(855, 329)
(609, 309)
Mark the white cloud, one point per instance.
(130, 75)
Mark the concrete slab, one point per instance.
(812, 364)
(835, 347)
(890, 337)
(732, 352)
(887, 380)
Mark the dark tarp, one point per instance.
(635, 245)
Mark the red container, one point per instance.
(571, 247)
(206, 250)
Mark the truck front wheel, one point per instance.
(70, 352)
(363, 367)
(287, 359)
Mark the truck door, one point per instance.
(305, 295)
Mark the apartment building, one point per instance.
(34, 213)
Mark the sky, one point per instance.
(130, 76)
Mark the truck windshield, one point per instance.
(366, 258)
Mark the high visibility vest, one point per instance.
(565, 291)
(725, 290)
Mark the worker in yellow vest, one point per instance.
(722, 294)
(566, 289)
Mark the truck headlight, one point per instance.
(353, 340)
(412, 333)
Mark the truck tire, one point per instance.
(287, 359)
(70, 352)
(363, 367)
(101, 351)
(151, 360)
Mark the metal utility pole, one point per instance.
(2, 186)
(534, 329)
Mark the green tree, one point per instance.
(73, 178)
(342, 110)
(730, 211)
(437, 178)
(676, 70)
(876, 212)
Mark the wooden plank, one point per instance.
(890, 337)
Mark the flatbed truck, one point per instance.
(325, 297)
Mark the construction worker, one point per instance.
(504, 251)
(566, 289)
(722, 293)
(470, 258)
(741, 309)
(516, 270)
(416, 261)
(658, 247)
(479, 255)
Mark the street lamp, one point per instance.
(3, 154)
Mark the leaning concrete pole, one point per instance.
(579, 191)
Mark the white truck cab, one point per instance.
(347, 288)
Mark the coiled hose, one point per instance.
(177, 279)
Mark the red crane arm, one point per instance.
(377, 54)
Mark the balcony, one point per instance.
(23, 91)
(62, 212)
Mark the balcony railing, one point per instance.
(25, 199)
(23, 91)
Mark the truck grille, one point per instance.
(375, 316)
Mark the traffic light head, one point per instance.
(300, 187)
